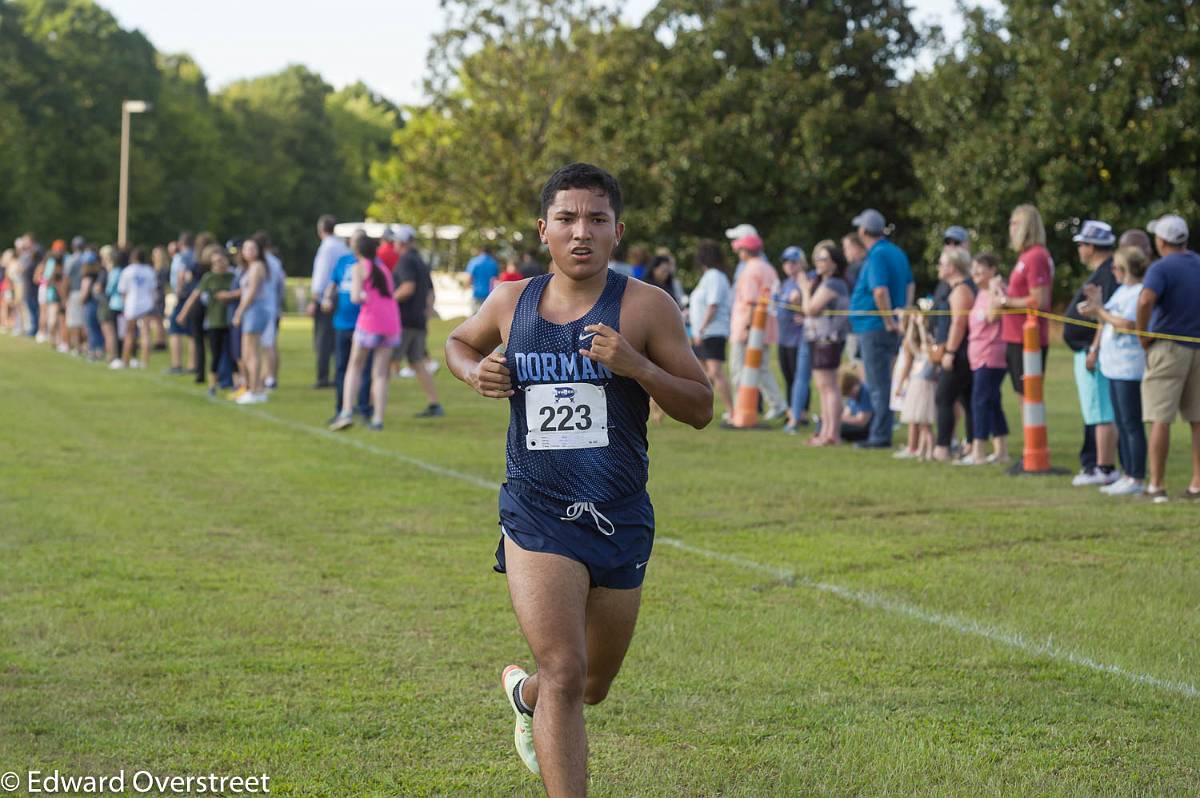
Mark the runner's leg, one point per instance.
(550, 598)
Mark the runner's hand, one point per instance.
(611, 349)
(491, 377)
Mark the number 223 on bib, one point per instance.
(571, 415)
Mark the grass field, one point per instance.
(190, 586)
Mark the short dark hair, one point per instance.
(186, 239)
(582, 175)
(137, 255)
(989, 259)
(325, 223)
(710, 255)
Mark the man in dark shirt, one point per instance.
(1097, 456)
(530, 265)
(414, 294)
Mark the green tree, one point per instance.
(363, 124)
(1086, 109)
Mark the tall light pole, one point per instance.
(127, 107)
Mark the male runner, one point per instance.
(585, 350)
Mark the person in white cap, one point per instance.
(1097, 455)
(738, 232)
(1171, 385)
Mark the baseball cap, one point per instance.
(1170, 228)
(404, 233)
(956, 233)
(741, 231)
(870, 220)
(388, 234)
(1098, 234)
(89, 258)
(792, 253)
(751, 242)
(77, 242)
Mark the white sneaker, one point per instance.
(117, 364)
(433, 366)
(1092, 477)
(40, 338)
(259, 398)
(247, 399)
(523, 728)
(135, 363)
(1125, 486)
(407, 371)
(1112, 489)
(904, 454)
(63, 349)
(270, 383)
(1111, 478)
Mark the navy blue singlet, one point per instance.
(541, 352)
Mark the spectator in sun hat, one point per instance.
(794, 352)
(1171, 385)
(884, 284)
(1094, 243)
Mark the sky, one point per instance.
(381, 42)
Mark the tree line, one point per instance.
(790, 114)
(271, 153)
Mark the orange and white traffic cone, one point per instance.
(745, 410)
(1036, 459)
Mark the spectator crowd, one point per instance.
(845, 323)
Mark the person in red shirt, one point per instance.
(1029, 286)
(387, 254)
(512, 272)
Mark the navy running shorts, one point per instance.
(613, 541)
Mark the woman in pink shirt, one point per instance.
(1029, 286)
(986, 354)
(376, 333)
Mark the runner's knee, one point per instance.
(566, 675)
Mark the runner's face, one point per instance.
(581, 231)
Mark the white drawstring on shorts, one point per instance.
(576, 511)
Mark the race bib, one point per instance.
(572, 415)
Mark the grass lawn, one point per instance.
(189, 587)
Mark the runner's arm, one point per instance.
(482, 333)
(669, 371)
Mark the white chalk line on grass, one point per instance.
(963, 626)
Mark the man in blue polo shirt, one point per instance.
(1171, 386)
(884, 284)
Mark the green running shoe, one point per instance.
(523, 731)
